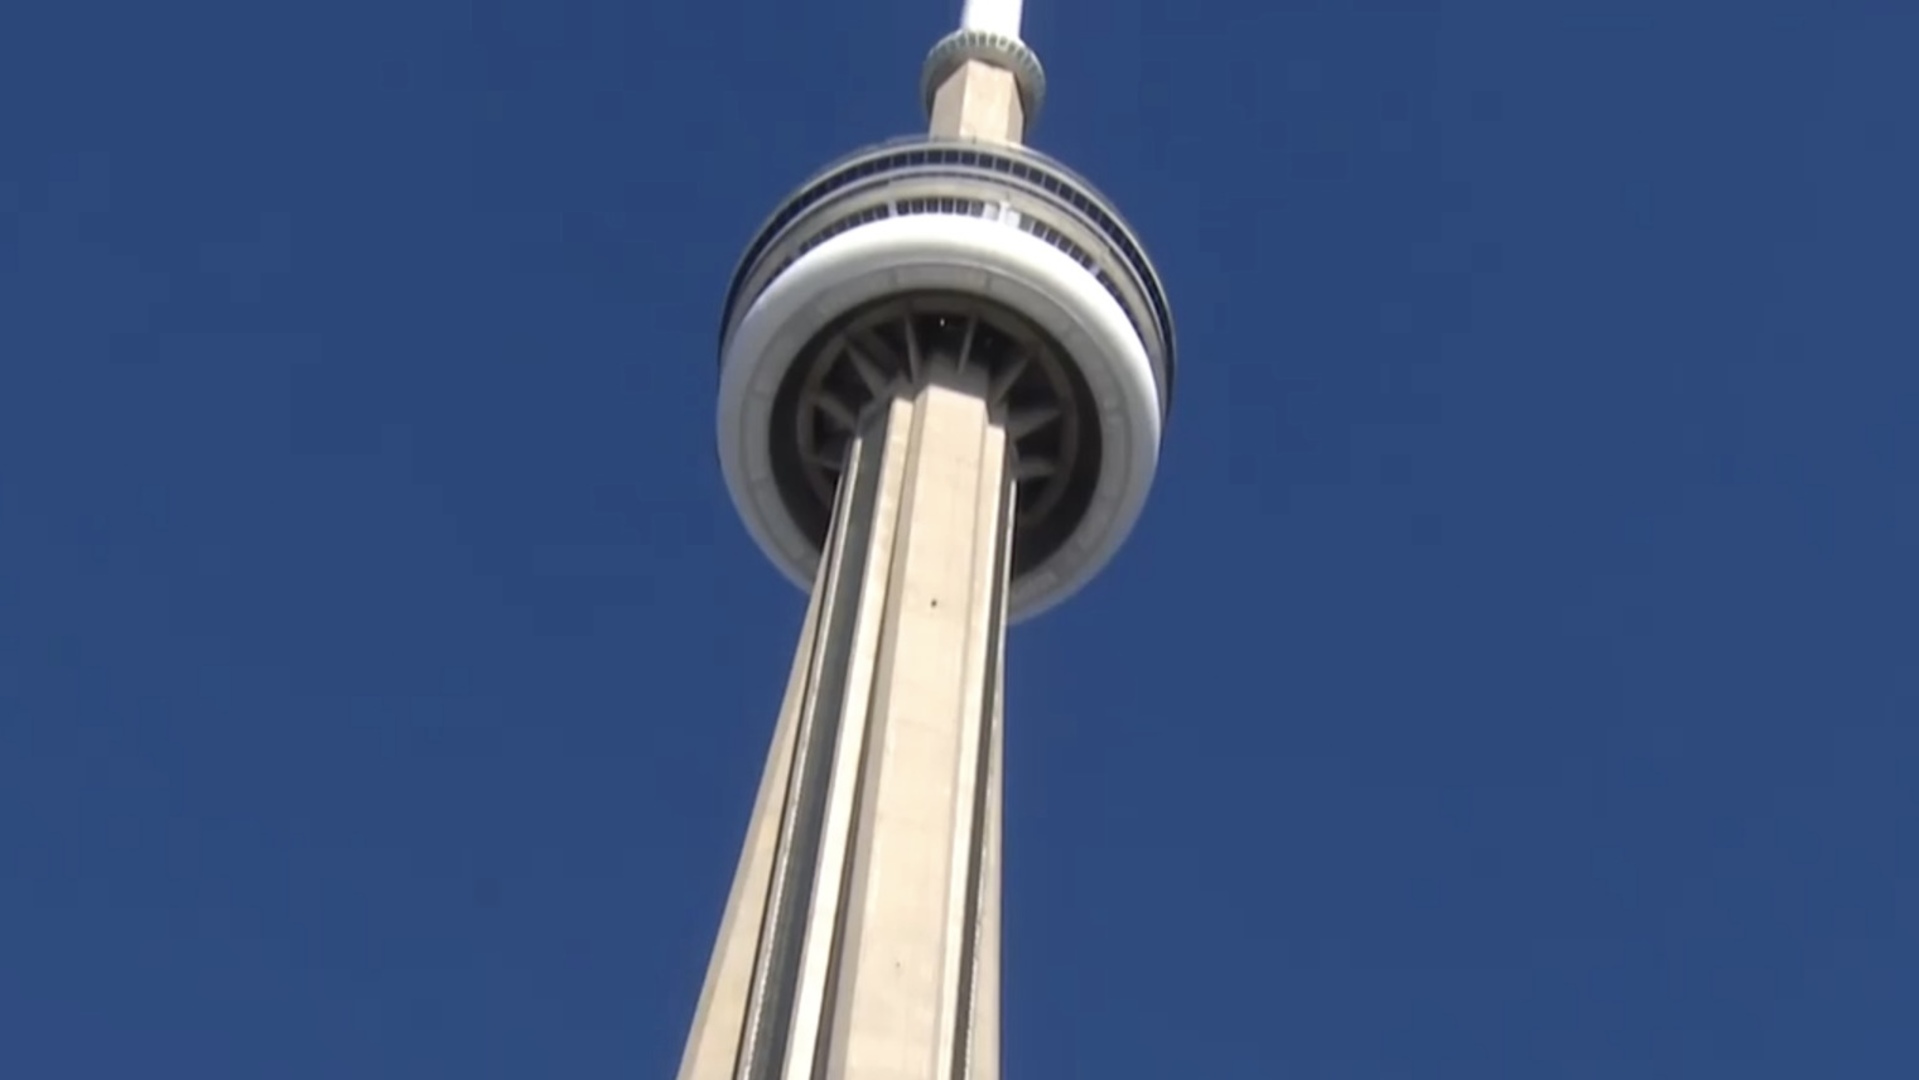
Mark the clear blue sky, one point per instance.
(1515, 673)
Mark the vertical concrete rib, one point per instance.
(719, 1022)
(861, 941)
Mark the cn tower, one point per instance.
(945, 363)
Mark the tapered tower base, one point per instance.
(861, 937)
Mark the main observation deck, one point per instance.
(987, 254)
(1050, 200)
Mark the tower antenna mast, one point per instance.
(993, 16)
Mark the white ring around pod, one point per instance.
(961, 254)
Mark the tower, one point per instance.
(945, 362)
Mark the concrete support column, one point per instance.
(979, 101)
(861, 940)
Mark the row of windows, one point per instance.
(929, 156)
(1064, 243)
(944, 204)
(1059, 240)
(850, 221)
(953, 204)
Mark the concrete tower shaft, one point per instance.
(861, 939)
(945, 365)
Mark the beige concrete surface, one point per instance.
(979, 101)
(720, 1018)
(861, 940)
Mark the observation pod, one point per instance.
(963, 253)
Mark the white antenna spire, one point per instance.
(992, 16)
